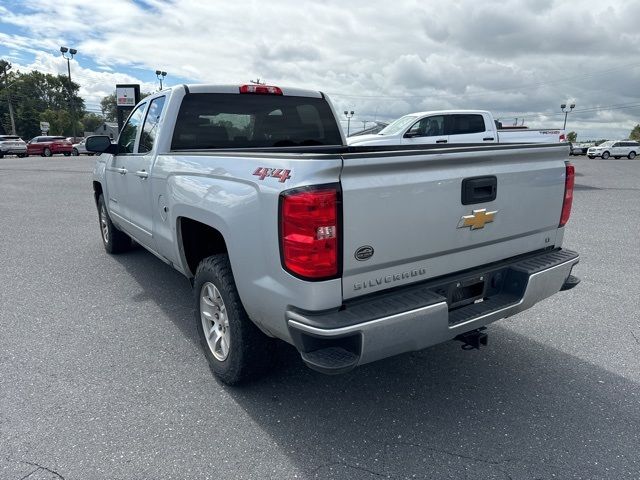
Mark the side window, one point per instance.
(127, 139)
(427, 127)
(150, 127)
(465, 124)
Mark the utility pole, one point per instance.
(72, 52)
(4, 66)
(348, 115)
(160, 76)
(566, 112)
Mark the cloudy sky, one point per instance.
(381, 59)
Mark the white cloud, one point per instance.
(381, 59)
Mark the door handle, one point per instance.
(121, 171)
(142, 174)
(441, 141)
(488, 139)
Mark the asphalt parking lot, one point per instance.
(101, 375)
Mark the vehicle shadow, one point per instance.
(517, 409)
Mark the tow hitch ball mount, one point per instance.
(473, 339)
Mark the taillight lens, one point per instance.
(568, 194)
(261, 89)
(563, 138)
(309, 236)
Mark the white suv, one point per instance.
(615, 149)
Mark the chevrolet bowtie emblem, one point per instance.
(477, 220)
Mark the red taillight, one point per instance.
(563, 138)
(568, 195)
(261, 89)
(309, 236)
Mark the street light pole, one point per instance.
(348, 115)
(4, 66)
(160, 76)
(566, 112)
(72, 52)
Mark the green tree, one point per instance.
(91, 121)
(635, 133)
(572, 137)
(36, 97)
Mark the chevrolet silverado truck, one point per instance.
(351, 254)
(455, 126)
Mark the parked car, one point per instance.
(580, 148)
(615, 149)
(48, 145)
(12, 145)
(455, 126)
(80, 149)
(352, 254)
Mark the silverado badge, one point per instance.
(477, 219)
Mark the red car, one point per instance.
(47, 146)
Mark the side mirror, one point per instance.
(411, 135)
(100, 144)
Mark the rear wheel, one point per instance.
(234, 347)
(114, 240)
(631, 155)
(605, 155)
(46, 152)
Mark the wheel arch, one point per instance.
(197, 240)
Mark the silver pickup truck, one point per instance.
(351, 254)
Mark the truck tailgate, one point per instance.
(404, 217)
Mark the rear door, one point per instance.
(407, 212)
(469, 128)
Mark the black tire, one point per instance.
(22, 155)
(1, 155)
(631, 155)
(67, 154)
(591, 157)
(46, 152)
(74, 152)
(250, 352)
(114, 240)
(605, 155)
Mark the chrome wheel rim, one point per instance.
(103, 224)
(215, 322)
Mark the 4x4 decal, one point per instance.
(263, 173)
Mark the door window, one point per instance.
(427, 127)
(467, 123)
(127, 139)
(150, 128)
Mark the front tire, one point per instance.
(234, 347)
(591, 157)
(605, 155)
(74, 152)
(631, 155)
(114, 240)
(46, 152)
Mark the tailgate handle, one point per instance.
(479, 190)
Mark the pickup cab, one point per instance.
(351, 254)
(455, 126)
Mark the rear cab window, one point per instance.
(240, 121)
(466, 123)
